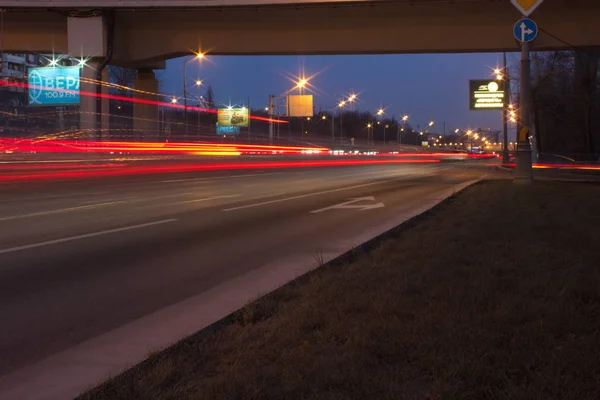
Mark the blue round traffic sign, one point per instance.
(525, 30)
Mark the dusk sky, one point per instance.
(426, 87)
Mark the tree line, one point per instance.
(566, 103)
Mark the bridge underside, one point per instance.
(145, 36)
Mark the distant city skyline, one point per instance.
(424, 87)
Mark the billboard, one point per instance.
(227, 130)
(233, 116)
(54, 86)
(300, 105)
(486, 94)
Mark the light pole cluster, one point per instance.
(341, 105)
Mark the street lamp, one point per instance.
(198, 56)
(432, 123)
(384, 129)
(399, 138)
(341, 105)
(499, 74)
(301, 84)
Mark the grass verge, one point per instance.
(495, 294)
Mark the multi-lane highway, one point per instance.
(81, 258)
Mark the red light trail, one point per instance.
(133, 100)
(202, 167)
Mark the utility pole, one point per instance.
(333, 126)
(185, 108)
(505, 154)
(271, 104)
(341, 124)
(249, 115)
(523, 171)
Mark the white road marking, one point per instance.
(85, 236)
(228, 196)
(264, 203)
(99, 202)
(62, 210)
(350, 205)
(219, 177)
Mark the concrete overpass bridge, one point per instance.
(144, 33)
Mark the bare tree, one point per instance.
(122, 80)
(209, 99)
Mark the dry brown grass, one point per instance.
(494, 295)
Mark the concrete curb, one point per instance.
(506, 169)
(69, 373)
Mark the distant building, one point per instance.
(14, 68)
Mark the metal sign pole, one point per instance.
(505, 155)
(523, 172)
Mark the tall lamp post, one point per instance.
(505, 109)
(341, 105)
(198, 56)
(404, 119)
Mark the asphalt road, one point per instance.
(81, 258)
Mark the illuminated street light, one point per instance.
(342, 103)
(456, 130)
(302, 83)
(174, 100)
(369, 125)
(198, 82)
(432, 123)
(380, 111)
(323, 117)
(229, 108)
(266, 108)
(405, 118)
(197, 56)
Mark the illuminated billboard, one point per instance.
(54, 86)
(486, 95)
(233, 116)
(228, 130)
(300, 106)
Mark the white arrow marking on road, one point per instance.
(350, 205)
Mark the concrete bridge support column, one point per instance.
(90, 113)
(87, 41)
(145, 113)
